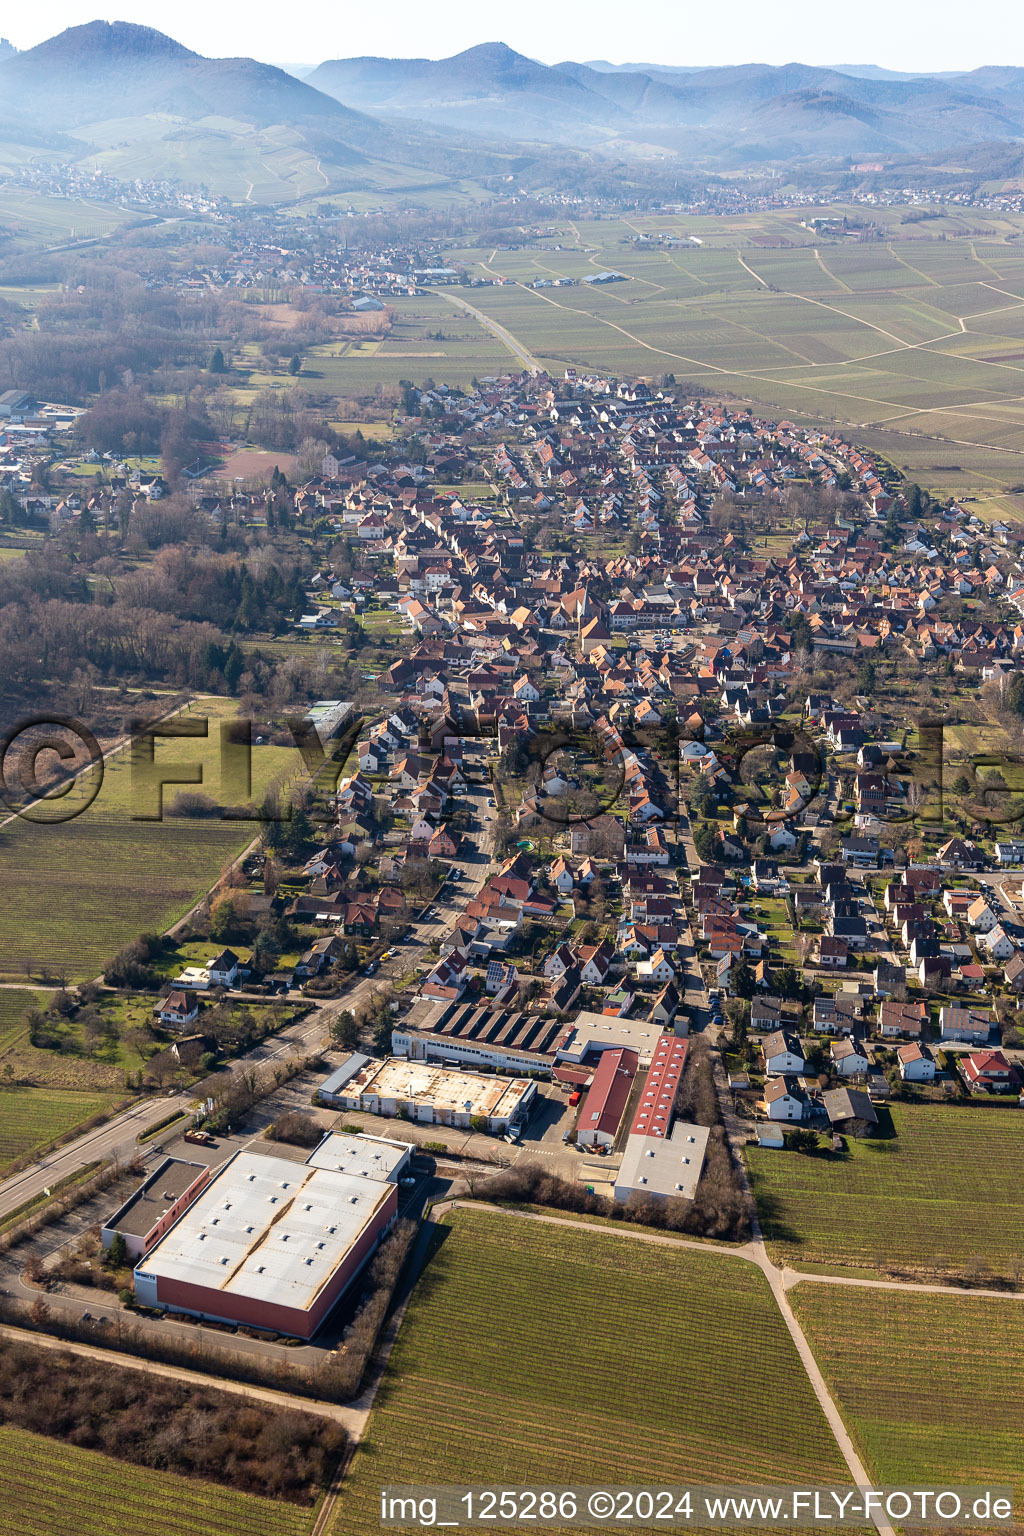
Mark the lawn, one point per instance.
(929, 1386)
(532, 1353)
(77, 891)
(58, 1490)
(944, 1193)
(31, 1118)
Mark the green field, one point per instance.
(14, 1004)
(32, 219)
(930, 1387)
(946, 1192)
(916, 340)
(532, 1352)
(51, 1489)
(31, 1118)
(75, 892)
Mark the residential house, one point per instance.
(916, 1064)
(988, 1072)
(782, 1055)
(178, 1009)
(895, 1018)
(784, 1099)
(223, 969)
(997, 943)
(832, 953)
(971, 1026)
(848, 1060)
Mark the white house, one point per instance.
(783, 1099)
(847, 1058)
(223, 969)
(971, 1026)
(556, 965)
(916, 1066)
(997, 943)
(657, 968)
(561, 876)
(178, 1008)
(981, 917)
(782, 1055)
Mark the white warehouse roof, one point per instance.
(665, 1166)
(268, 1228)
(362, 1157)
(607, 1032)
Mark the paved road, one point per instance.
(516, 347)
(119, 1136)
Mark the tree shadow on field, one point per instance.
(423, 1274)
(883, 1138)
(774, 1226)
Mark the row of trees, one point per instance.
(151, 1421)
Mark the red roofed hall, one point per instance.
(606, 1098)
(654, 1112)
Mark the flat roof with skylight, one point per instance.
(268, 1230)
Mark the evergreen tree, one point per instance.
(217, 363)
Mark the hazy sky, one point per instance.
(899, 34)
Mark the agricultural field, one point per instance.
(51, 1490)
(32, 219)
(950, 1407)
(915, 341)
(534, 1389)
(907, 1200)
(34, 1117)
(14, 1004)
(75, 892)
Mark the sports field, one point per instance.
(49, 1489)
(75, 892)
(930, 1387)
(533, 1353)
(910, 1200)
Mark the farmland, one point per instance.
(907, 1200)
(34, 1117)
(14, 1004)
(53, 1490)
(478, 1391)
(929, 1386)
(32, 218)
(915, 339)
(75, 892)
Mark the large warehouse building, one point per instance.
(429, 1094)
(471, 1035)
(663, 1158)
(273, 1244)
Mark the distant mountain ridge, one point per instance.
(138, 103)
(722, 116)
(136, 96)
